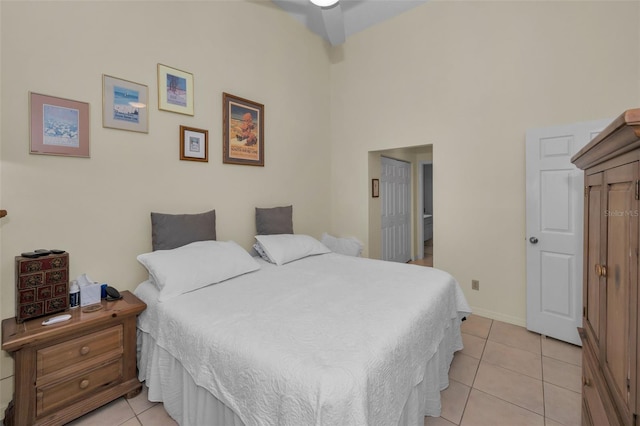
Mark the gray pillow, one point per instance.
(276, 220)
(169, 231)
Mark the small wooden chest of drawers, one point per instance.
(65, 370)
(42, 285)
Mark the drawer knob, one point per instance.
(586, 381)
(84, 383)
(84, 350)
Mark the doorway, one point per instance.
(427, 212)
(424, 214)
(413, 155)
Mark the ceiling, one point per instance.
(336, 23)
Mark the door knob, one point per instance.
(533, 240)
(601, 270)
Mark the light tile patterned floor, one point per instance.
(505, 375)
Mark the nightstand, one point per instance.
(65, 370)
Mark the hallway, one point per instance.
(428, 255)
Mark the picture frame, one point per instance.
(194, 144)
(125, 105)
(375, 188)
(242, 131)
(58, 126)
(175, 90)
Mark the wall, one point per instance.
(98, 209)
(472, 87)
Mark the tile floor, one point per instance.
(128, 412)
(428, 255)
(505, 375)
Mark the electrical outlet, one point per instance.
(475, 285)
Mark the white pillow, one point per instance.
(284, 248)
(349, 246)
(196, 265)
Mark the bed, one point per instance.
(323, 339)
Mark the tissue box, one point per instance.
(89, 294)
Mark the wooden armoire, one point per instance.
(610, 320)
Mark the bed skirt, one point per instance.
(193, 405)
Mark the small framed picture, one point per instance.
(125, 105)
(242, 131)
(194, 144)
(375, 188)
(58, 126)
(175, 90)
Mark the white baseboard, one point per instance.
(522, 322)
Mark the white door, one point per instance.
(395, 197)
(555, 206)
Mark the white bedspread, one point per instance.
(329, 339)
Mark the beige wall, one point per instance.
(98, 208)
(471, 78)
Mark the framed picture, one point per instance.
(194, 144)
(375, 188)
(175, 90)
(242, 131)
(125, 105)
(58, 126)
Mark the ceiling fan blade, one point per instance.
(334, 24)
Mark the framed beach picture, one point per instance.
(175, 90)
(125, 105)
(194, 144)
(58, 126)
(242, 131)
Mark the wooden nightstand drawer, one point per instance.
(72, 352)
(65, 370)
(51, 397)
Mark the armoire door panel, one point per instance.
(617, 276)
(593, 221)
(621, 220)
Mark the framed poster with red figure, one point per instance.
(242, 131)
